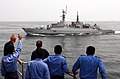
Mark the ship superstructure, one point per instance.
(63, 28)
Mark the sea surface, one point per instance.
(107, 46)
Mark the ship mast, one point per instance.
(63, 15)
(77, 17)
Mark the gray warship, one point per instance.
(63, 28)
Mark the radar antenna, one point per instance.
(64, 12)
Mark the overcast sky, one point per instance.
(51, 10)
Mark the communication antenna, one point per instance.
(63, 15)
(77, 17)
(66, 9)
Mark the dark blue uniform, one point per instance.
(9, 63)
(88, 66)
(37, 69)
(57, 65)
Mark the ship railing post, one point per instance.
(22, 71)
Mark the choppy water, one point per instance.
(107, 46)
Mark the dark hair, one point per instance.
(6, 47)
(90, 50)
(39, 53)
(58, 49)
(39, 43)
(10, 49)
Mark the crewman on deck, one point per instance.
(37, 69)
(57, 64)
(9, 61)
(89, 65)
(39, 46)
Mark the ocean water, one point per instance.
(107, 46)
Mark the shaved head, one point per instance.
(13, 38)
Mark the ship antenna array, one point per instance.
(66, 9)
(77, 17)
(64, 12)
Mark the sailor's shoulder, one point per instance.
(56, 55)
(97, 56)
(82, 55)
(63, 56)
(51, 55)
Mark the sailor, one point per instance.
(39, 46)
(37, 69)
(89, 65)
(12, 41)
(57, 64)
(9, 61)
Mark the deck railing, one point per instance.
(22, 71)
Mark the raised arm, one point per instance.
(19, 46)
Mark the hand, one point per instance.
(70, 73)
(19, 36)
(20, 61)
(75, 75)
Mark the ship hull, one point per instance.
(64, 31)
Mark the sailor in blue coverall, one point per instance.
(57, 64)
(89, 65)
(37, 69)
(9, 61)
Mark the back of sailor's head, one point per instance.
(58, 49)
(90, 50)
(13, 38)
(39, 43)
